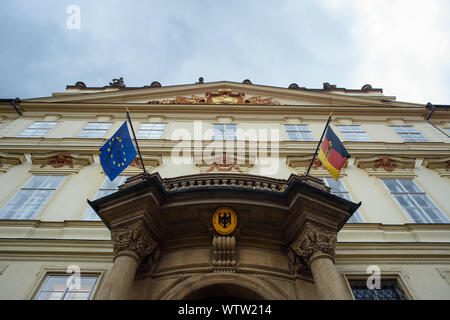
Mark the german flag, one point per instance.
(333, 154)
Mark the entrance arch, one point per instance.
(222, 286)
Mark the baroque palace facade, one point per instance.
(224, 208)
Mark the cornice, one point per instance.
(164, 147)
(304, 109)
(179, 90)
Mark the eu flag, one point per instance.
(117, 153)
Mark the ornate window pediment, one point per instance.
(62, 161)
(388, 166)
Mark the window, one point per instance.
(224, 132)
(354, 133)
(414, 201)
(151, 131)
(106, 188)
(31, 198)
(389, 290)
(94, 130)
(37, 129)
(66, 287)
(338, 188)
(448, 130)
(298, 132)
(409, 134)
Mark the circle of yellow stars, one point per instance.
(119, 164)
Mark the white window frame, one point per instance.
(409, 135)
(160, 127)
(37, 126)
(356, 217)
(301, 132)
(4, 211)
(423, 214)
(221, 135)
(66, 291)
(351, 131)
(103, 191)
(87, 129)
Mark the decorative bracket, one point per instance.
(224, 253)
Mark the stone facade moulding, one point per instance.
(60, 162)
(9, 160)
(440, 165)
(387, 166)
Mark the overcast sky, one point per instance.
(402, 46)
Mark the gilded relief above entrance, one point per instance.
(222, 96)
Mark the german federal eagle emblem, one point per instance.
(224, 220)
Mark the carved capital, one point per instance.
(133, 241)
(297, 265)
(314, 243)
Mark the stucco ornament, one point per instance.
(314, 242)
(133, 241)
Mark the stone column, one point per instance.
(316, 247)
(131, 245)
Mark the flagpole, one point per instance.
(135, 140)
(318, 145)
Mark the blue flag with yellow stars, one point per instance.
(117, 153)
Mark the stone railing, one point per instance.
(224, 180)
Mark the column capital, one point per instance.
(133, 240)
(314, 242)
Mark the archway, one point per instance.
(223, 286)
(224, 291)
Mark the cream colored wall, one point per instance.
(69, 202)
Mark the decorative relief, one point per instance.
(387, 165)
(224, 254)
(224, 163)
(133, 241)
(59, 160)
(297, 265)
(314, 242)
(150, 263)
(222, 96)
(63, 160)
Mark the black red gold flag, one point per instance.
(333, 154)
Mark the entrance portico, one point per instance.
(166, 246)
